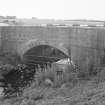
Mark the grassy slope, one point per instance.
(85, 93)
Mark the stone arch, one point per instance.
(33, 43)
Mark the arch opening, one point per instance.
(43, 54)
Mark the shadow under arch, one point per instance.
(42, 52)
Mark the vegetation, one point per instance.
(53, 85)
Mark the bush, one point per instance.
(56, 75)
(21, 76)
(16, 78)
(100, 77)
(83, 76)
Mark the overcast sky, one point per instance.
(54, 9)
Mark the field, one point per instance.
(70, 87)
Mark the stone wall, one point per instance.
(84, 45)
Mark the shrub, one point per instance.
(56, 75)
(100, 77)
(22, 76)
(83, 76)
(15, 79)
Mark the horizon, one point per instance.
(35, 18)
(54, 9)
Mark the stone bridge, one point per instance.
(84, 45)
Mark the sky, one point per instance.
(54, 9)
